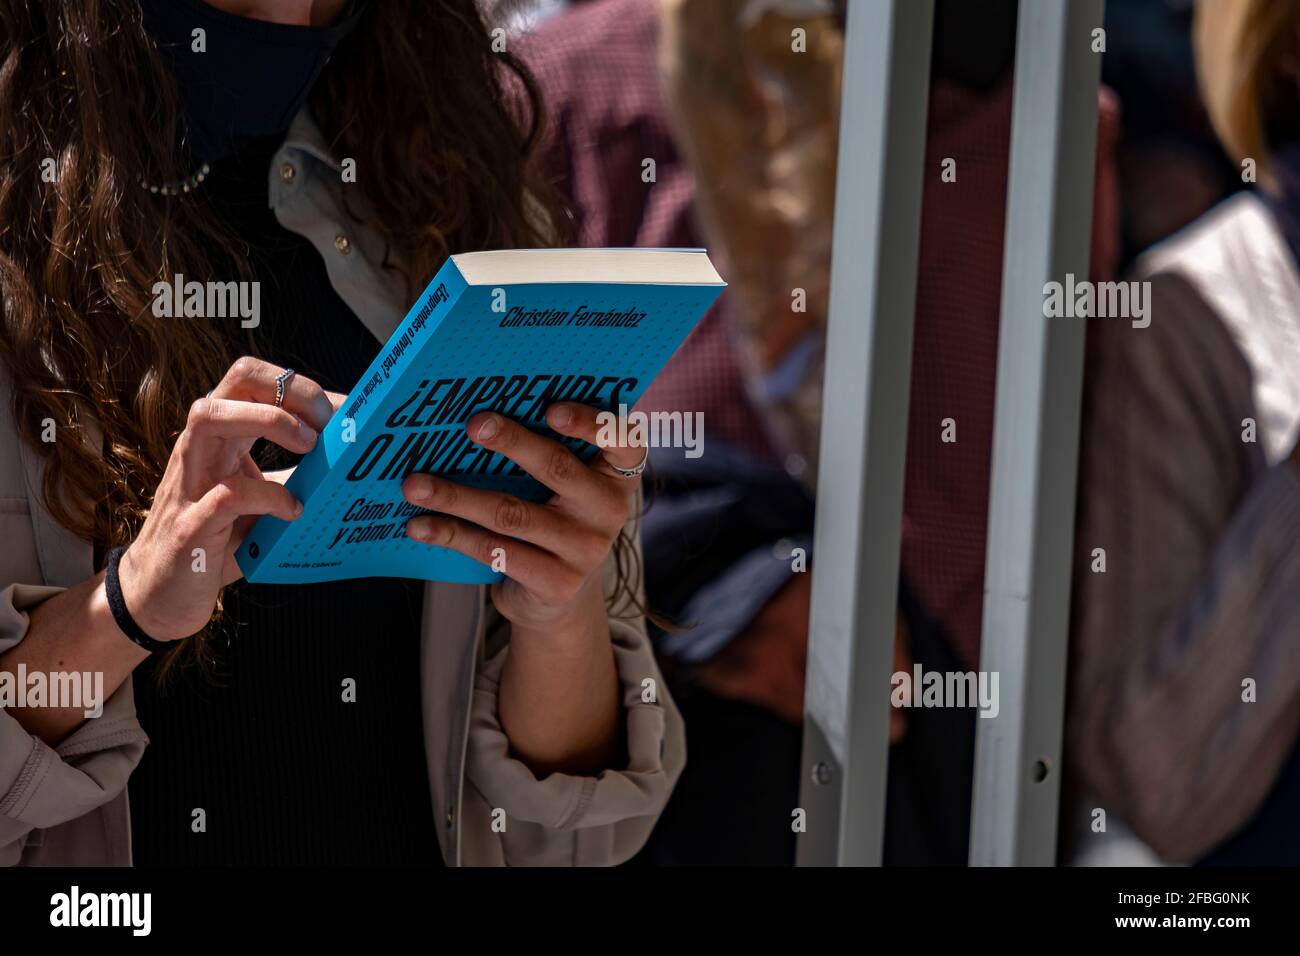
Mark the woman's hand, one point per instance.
(558, 699)
(552, 552)
(211, 493)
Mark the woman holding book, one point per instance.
(322, 153)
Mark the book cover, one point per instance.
(512, 331)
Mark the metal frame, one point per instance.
(864, 430)
(1036, 435)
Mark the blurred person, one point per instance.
(757, 119)
(764, 153)
(229, 161)
(1185, 682)
(1171, 166)
(762, 185)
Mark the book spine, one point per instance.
(341, 435)
(267, 531)
(397, 355)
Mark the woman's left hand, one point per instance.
(551, 553)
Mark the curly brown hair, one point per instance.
(83, 84)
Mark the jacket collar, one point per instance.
(309, 201)
(305, 135)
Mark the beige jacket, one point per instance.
(67, 805)
(1186, 677)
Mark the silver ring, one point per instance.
(634, 472)
(281, 381)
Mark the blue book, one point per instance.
(512, 331)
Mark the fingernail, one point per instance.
(491, 425)
(297, 508)
(561, 415)
(307, 433)
(420, 487)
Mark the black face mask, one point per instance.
(251, 78)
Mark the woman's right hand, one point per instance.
(211, 493)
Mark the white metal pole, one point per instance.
(1036, 434)
(864, 429)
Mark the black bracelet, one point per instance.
(113, 588)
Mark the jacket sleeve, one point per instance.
(566, 820)
(43, 786)
(1199, 600)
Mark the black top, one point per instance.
(285, 770)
